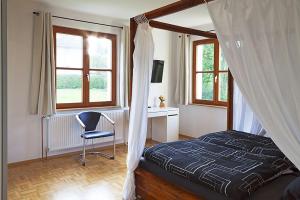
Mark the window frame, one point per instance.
(216, 72)
(86, 67)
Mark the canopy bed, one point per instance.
(162, 174)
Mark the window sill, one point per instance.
(77, 110)
(208, 105)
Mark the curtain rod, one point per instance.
(78, 20)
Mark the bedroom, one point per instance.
(39, 147)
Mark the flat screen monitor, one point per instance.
(157, 71)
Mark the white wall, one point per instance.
(197, 120)
(162, 52)
(24, 130)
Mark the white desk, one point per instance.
(164, 124)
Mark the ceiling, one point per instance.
(125, 9)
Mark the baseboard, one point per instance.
(71, 153)
(51, 157)
(184, 136)
(24, 162)
(79, 148)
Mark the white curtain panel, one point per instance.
(261, 44)
(124, 69)
(142, 62)
(42, 94)
(182, 65)
(243, 117)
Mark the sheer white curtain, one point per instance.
(261, 43)
(42, 94)
(142, 62)
(243, 117)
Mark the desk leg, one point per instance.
(159, 129)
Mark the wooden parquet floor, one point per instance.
(65, 179)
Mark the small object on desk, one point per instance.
(162, 99)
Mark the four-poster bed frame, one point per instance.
(148, 185)
(170, 9)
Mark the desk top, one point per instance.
(158, 109)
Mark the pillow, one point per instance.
(292, 191)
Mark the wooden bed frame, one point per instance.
(152, 187)
(148, 185)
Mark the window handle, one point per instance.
(88, 77)
(216, 78)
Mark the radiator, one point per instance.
(62, 131)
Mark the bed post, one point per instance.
(230, 102)
(133, 27)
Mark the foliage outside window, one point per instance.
(210, 73)
(85, 68)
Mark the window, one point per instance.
(210, 73)
(85, 68)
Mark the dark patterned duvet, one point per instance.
(231, 163)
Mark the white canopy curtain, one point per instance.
(42, 94)
(142, 68)
(261, 43)
(243, 117)
(181, 51)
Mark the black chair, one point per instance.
(89, 121)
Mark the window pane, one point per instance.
(100, 86)
(222, 65)
(68, 86)
(205, 86)
(100, 52)
(69, 50)
(223, 86)
(205, 57)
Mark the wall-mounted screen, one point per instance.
(157, 71)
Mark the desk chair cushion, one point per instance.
(96, 134)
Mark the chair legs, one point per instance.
(109, 156)
(83, 153)
(114, 146)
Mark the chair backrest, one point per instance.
(90, 119)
